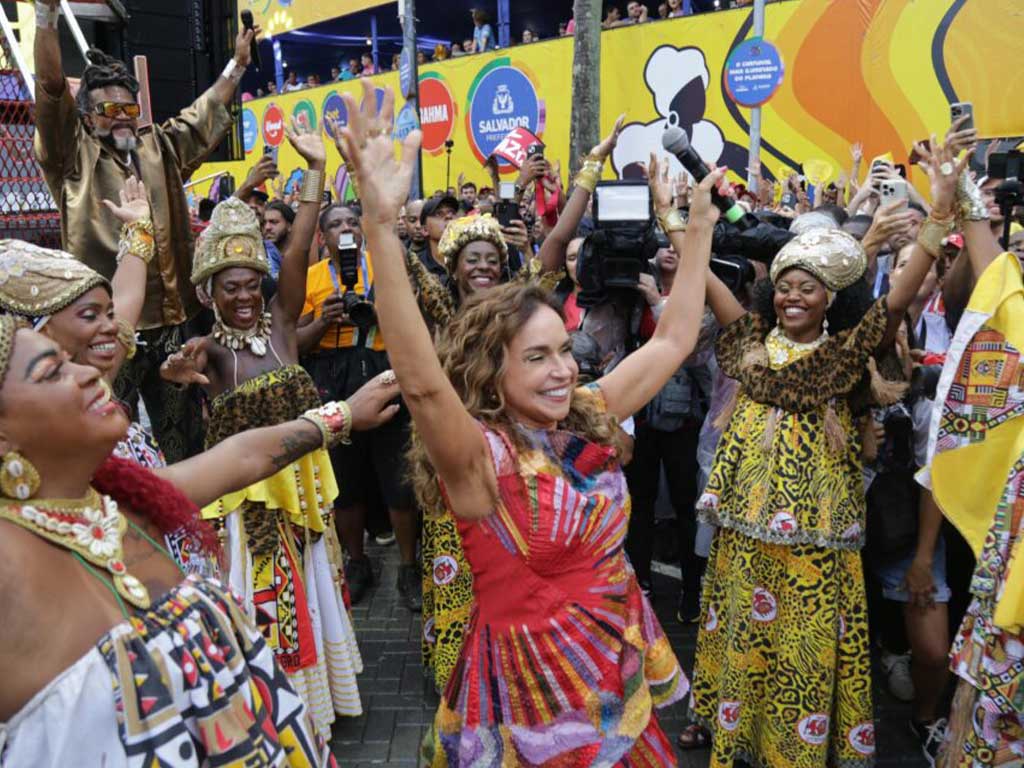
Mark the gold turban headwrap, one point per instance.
(831, 255)
(461, 232)
(233, 239)
(38, 282)
(9, 325)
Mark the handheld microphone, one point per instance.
(676, 141)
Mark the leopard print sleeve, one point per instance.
(735, 341)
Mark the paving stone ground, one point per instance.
(398, 703)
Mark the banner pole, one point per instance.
(755, 113)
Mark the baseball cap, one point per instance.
(430, 207)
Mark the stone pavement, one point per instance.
(398, 704)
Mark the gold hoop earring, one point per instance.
(18, 478)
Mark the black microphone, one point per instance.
(677, 142)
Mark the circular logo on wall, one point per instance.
(813, 729)
(501, 99)
(445, 570)
(333, 110)
(250, 130)
(273, 125)
(405, 123)
(305, 111)
(437, 113)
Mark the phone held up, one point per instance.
(505, 208)
(249, 23)
(892, 191)
(958, 110)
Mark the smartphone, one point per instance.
(916, 158)
(505, 212)
(326, 197)
(271, 152)
(507, 190)
(958, 110)
(249, 23)
(893, 190)
(789, 201)
(534, 150)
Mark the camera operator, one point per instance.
(342, 349)
(667, 430)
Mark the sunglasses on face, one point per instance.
(112, 109)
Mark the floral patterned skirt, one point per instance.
(782, 673)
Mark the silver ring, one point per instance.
(388, 378)
(946, 169)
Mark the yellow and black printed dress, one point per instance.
(782, 672)
(283, 555)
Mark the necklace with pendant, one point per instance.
(92, 528)
(255, 339)
(782, 350)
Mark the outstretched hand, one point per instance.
(307, 142)
(605, 148)
(367, 146)
(940, 163)
(134, 202)
(371, 404)
(184, 366)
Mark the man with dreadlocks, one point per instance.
(87, 147)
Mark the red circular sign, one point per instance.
(437, 113)
(273, 125)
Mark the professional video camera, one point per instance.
(359, 309)
(624, 240)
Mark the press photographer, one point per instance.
(342, 348)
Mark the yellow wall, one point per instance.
(276, 16)
(870, 71)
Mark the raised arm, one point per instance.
(227, 83)
(46, 52)
(291, 281)
(943, 169)
(552, 250)
(136, 250)
(642, 374)
(256, 454)
(453, 440)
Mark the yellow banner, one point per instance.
(277, 16)
(880, 72)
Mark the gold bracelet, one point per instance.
(589, 175)
(138, 239)
(334, 420)
(312, 187)
(126, 335)
(933, 231)
(672, 221)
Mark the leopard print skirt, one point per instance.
(782, 673)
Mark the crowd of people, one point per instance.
(484, 38)
(199, 433)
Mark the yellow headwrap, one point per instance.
(233, 239)
(461, 232)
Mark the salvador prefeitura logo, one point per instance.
(503, 97)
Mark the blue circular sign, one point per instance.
(405, 123)
(333, 109)
(250, 130)
(753, 72)
(504, 99)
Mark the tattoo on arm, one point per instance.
(296, 445)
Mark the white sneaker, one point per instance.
(897, 675)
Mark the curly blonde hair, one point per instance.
(472, 353)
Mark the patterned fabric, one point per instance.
(189, 683)
(564, 658)
(447, 595)
(977, 477)
(782, 671)
(282, 552)
(140, 446)
(797, 490)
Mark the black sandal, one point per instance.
(694, 736)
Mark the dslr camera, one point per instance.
(624, 240)
(359, 308)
